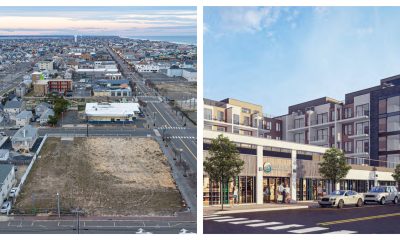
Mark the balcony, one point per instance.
(358, 153)
(319, 139)
(360, 115)
(360, 133)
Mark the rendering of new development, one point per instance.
(303, 137)
(98, 120)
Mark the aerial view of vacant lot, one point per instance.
(104, 176)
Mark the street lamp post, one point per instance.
(58, 205)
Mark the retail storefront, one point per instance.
(272, 163)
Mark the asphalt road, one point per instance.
(97, 227)
(370, 219)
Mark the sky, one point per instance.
(121, 21)
(279, 56)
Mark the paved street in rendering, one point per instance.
(314, 220)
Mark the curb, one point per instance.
(260, 210)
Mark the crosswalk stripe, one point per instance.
(213, 215)
(248, 221)
(215, 218)
(308, 230)
(231, 220)
(284, 227)
(341, 232)
(263, 224)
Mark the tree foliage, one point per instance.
(224, 162)
(396, 174)
(52, 120)
(334, 166)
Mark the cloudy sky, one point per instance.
(278, 57)
(123, 21)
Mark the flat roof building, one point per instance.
(111, 112)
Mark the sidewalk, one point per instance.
(266, 207)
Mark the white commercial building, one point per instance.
(270, 163)
(111, 112)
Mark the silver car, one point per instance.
(340, 198)
(382, 195)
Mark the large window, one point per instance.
(322, 134)
(322, 118)
(298, 123)
(221, 116)
(362, 146)
(348, 113)
(278, 127)
(362, 128)
(382, 106)
(382, 124)
(236, 119)
(393, 104)
(348, 147)
(362, 110)
(299, 137)
(207, 114)
(393, 160)
(246, 121)
(393, 142)
(348, 129)
(382, 144)
(393, 123)
(246, 110)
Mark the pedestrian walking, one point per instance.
(235, 195)
(284, 194)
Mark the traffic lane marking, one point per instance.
(231, 220)
(341, 232)
(264, 224)
(285, 227)
(359, 219)
(308, 230)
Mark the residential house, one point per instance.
(24, 138)
(23, 118)
(12, 108)
(7, 180)
(44, 118)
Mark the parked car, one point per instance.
(340, 198)
(382, 194)
(12, 192)
(6, 207)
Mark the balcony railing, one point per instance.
(369, 162)
(362, 113)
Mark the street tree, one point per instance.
(396, 174)
(52, 120)
(334, 166)
(224, 162)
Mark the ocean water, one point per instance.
(173, 39)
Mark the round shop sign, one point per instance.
(267, 167)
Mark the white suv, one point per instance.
(382, 194)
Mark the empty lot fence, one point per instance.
(21, 183)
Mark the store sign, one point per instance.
(267, 167)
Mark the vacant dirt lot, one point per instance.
(177, 90)
(104, 176)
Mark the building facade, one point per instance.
(269, 163)
(239, 117)
(366, 125)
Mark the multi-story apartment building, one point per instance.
(366, 125)
(235, 116)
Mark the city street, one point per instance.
(154, 226)
(368, 219)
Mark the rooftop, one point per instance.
(111, 109)
(5, 169)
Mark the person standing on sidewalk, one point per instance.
(284, 194)
(280, 192)
(235, 195)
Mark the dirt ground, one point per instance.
(177, 90)
(104, 176)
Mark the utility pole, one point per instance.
(58, 205)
